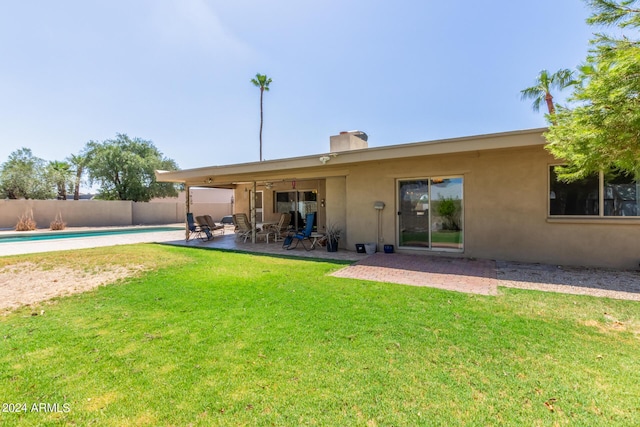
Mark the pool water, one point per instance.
(13, 238)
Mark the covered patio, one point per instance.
(229, 242)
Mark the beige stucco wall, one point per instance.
(336, 206)
(157, 213)
(91, 213)
(76, 213)
(199, 195)
(216, 210)
(505, 210)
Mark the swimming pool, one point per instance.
(49, 235)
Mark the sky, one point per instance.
(178, 72)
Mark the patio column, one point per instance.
(187, 200)
(252, 204)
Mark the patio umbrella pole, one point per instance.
(378, 230)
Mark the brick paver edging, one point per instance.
(456, 274)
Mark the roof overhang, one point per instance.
(337, 164)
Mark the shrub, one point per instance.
(58, 224)
(26, 222)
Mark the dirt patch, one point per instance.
(26, 283)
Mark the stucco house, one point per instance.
(487, 196)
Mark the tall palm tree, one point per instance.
(261, 81)
(541, 91)
(79, 161)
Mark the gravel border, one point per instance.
(601, 282)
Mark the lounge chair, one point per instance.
(195, 230)
(300, 237)
(280, 230)
(213, 226)
(204, 227)
(243, 226)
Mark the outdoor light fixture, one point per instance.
(324, 159)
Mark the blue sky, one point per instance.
(177, 72)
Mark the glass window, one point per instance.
(302, 201)
(574, 198)
(620, 195)
(617, 192)
(285, 201)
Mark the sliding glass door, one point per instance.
(298, 204)
(413, 213)
(430, 213)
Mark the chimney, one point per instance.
(346, 141)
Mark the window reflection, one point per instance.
(574, 198)
(620, 195)
(582, 197)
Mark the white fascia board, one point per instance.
(494, 141)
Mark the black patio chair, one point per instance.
(196, 230)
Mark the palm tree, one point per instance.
(79, 161)
(541, 91)
(261, 81)
(60, 174)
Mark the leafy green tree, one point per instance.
(24, 176)
(261, 81)
(541, 91)
(124, 169)
(61, 174)
(602, 129)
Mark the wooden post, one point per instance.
(187, 199)
(252, 204)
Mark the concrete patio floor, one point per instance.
(228, 241)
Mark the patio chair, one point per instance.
(300, 237)
(195, 230)
(280, 230)
(213, 226)
(204, 227)
(243, 226)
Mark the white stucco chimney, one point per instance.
(346, 141)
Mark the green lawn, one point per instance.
(219, 338)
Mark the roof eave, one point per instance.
(503, 140)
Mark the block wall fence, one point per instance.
(103, 213)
